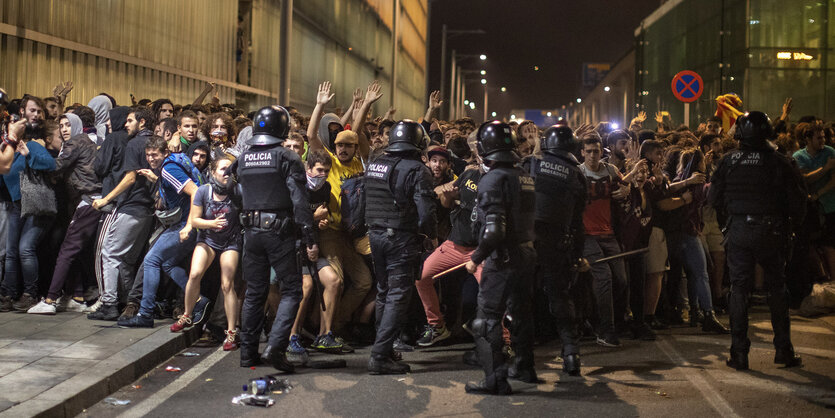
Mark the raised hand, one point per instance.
(435, 101)
(659, 117)
(642, 116)
(787, 108)
(373, 93)
(583, 129)
(357, 95)
(324, 95)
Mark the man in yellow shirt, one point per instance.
(347, 150)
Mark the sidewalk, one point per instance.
(59, 365)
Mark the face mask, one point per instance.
(220, 189)
(315, 183)
(333, 135)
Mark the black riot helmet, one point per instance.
(270, 126)
(753, 129)
(407, 135)
(559, 138)
(496, 141)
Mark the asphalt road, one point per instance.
(682, 374)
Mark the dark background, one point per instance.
(556, 35)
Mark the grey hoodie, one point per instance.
(242, 144)
(324, 135)
(75, 124)
(101, 105)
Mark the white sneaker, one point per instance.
(66, 304)
(92, 308)
(43, 308)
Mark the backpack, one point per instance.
(352, 206)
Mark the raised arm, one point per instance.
(346, 117)
(435, 103)
(322, 98)
(373, 94)
(206, 90)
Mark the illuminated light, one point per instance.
(472, 105)
(615, 125)
(579, 100)
(350, 49)
(732, 78)
(794, 56)
(811, 20)
(483, 72)
(536, 68)
(549, 114)
(494, 114)
(504, 89)
(483, 81)
(607, 88)
(753, 22)
(466, 102)
(482, 57)
(513, 116)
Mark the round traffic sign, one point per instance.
(687, 86)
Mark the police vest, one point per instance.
(261, 174)
(382, 210)
(753, 184)
(560, 189)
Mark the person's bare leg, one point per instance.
(200, 261)
(332, 285)
(307, 286)
(228, 266)
(652, 292)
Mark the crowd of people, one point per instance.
(129, 214)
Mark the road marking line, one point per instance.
(148, 405)
(710, 394)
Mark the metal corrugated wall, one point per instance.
(163, 48)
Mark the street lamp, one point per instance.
(466, 102)
(549, 114)
(482, 57)
(483, 72)
(504, 89)
(483, 81)
(494, 114)
(579, 100)
(606, 89)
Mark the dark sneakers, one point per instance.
(432, 335)
(138, 321)
(131, 309)
(24, 303)
(5, 303)
(385, 365)
(106, 312)
(277, 358)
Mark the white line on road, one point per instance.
(146, 406)
(710, 394)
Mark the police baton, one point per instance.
(449, 270)
(621, 255)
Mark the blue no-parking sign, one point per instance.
(687, 86)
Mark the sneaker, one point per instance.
(295, 346)
(200, 311)
(5, 304)
(327, 343)
(432, 335)
(106, 312)
(24, 303)
(346, 349)
(131, 309)
(93, 308)
(231, 342)
(70, 305)
(137, 321)
(610, 341)
(183, 323)
(44, 308)
(402, 347)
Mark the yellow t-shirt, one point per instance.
(339, 172)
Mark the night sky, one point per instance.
(556, 35)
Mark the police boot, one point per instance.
(738, 360)
(523, 370)
(788, 358)
(492, 361)
(378, 364)
(278, 359)
(571, 364)
(493, 384)
(712, 325)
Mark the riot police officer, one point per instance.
(560, 200)
(274, 208)
(400, 213)
(505, 221)
(764, 198)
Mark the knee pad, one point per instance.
(482, 326)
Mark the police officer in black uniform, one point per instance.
(400, 212)
(764, 198)
(274, 210)
(560, 199)
(506, 205)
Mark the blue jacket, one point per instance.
(38, 159)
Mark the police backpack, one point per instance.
(353, 206)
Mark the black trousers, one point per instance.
(264, 249)
(557, 278)
(750, 244)
(397, 256)
(508, 286)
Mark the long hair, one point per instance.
(690, 161)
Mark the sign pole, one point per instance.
(687, 114)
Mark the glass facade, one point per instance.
(763, 50)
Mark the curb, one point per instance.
(70, 397)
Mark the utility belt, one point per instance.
(260, 220)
